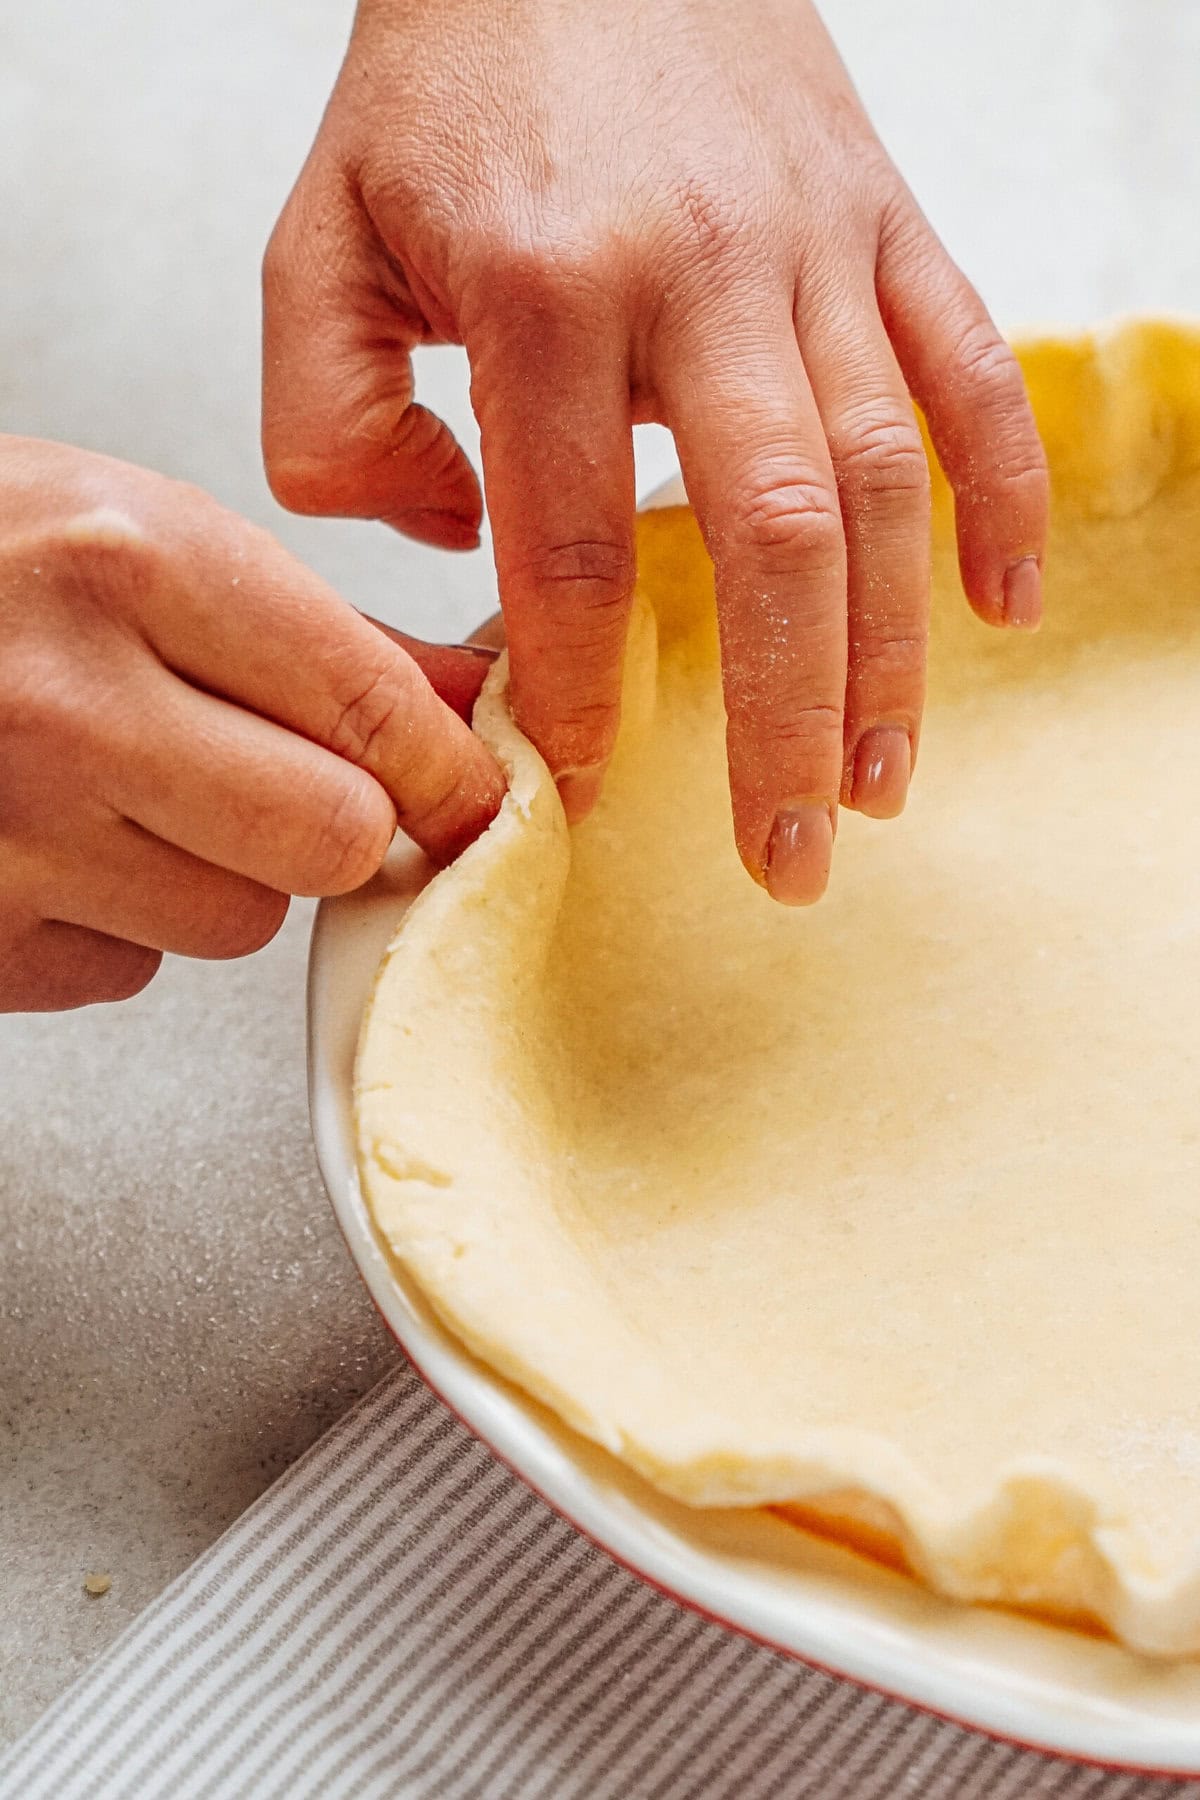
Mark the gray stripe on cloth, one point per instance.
(578, 1666)
(386, 1610)
(613, 1751)
(697, 1707)
(305, 1708)
(889, 1747)
(618, 1669)
(398, 1618)
(224, 1643)
(748, 1754)
(311, 1492)
(617, 1765)
(843, 1704)
(386, 1731)
(419, 1764)
(748, 1739)
(307, 1635)
(1086, 1785)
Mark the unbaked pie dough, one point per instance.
(886, 1211)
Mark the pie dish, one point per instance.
(992, 1069)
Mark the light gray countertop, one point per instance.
(178, 1318)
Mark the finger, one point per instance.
(342, 433)
(241, 794)
(551, 390)
(490, 635)
(455, 672)
(883, 484)
(969, 386)
(255, 627)
(758, 474)
(55, 967)
(138, 888)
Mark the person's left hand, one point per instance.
(193, 727)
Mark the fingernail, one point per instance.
(882, 771)
(481, 650)
(799, 852)
(1023, 594)
(579, 790)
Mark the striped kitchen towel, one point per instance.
(400, 1616)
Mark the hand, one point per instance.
(192, 727)
(674, 212)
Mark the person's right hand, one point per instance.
(677, 212)
(193, 727)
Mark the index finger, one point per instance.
(759, 476)
(225, 606)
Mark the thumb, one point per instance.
(342, 434)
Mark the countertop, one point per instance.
(178, 1317)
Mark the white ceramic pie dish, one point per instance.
(1033, 1683)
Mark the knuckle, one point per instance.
(594, 573)
(790, 714)
(99, 555)
(892, 644)
(593, 720)
(383, 427)
(880, 457)
(1024, 455)
(348, 846)
(788, 520)
(417, 435)
(370, 712)
(102, 549)
(983, 359)
(905, 239)
(986, 363)
(887, 670)
(1012, 498)
(797, 700)
(1023, 478)
(532, 269)
(710, 221)
(566, 650)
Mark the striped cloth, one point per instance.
(399, 1616)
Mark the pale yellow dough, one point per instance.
(890, 1206)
